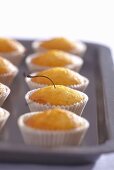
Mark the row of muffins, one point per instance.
(47, 124)
(58, 91)
(11, 54)
(9, 49)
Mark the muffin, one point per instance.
(7, 71)
(4, 115)
(53, 58)
(60, 76)
(60, 43)
(12, 50)
(59, 96)
(4, 92)
(52, 128)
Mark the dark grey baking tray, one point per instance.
(98, 67)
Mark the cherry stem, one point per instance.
(30, 76)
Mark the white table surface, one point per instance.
(76, 19)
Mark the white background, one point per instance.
(91, 20)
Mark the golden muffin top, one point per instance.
(4, 66)
(54, 119)
(58, 44)
(58, 95)
(53, 58)
(8, 45)
(60, 76)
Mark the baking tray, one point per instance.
(99, 111)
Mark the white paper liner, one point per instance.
(4, 94)
(80, 48)
(7, 78)
(77, 108)
(77, 63)
(33, 85)
(44, 138)
(4, 115)
(16, 56)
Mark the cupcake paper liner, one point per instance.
(80, 48)
(4, 115)
(76, 107)
(4, 94)
(44, 138)
(14, 57)
(33, 85)
(77, 64)
(7, 78)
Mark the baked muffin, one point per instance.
(7, 71)
(58, 96)
(12, 50)
(60, 43)
(53, 58)
(4, 115)
(4, 92)
(51, 128)
(60, 76)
